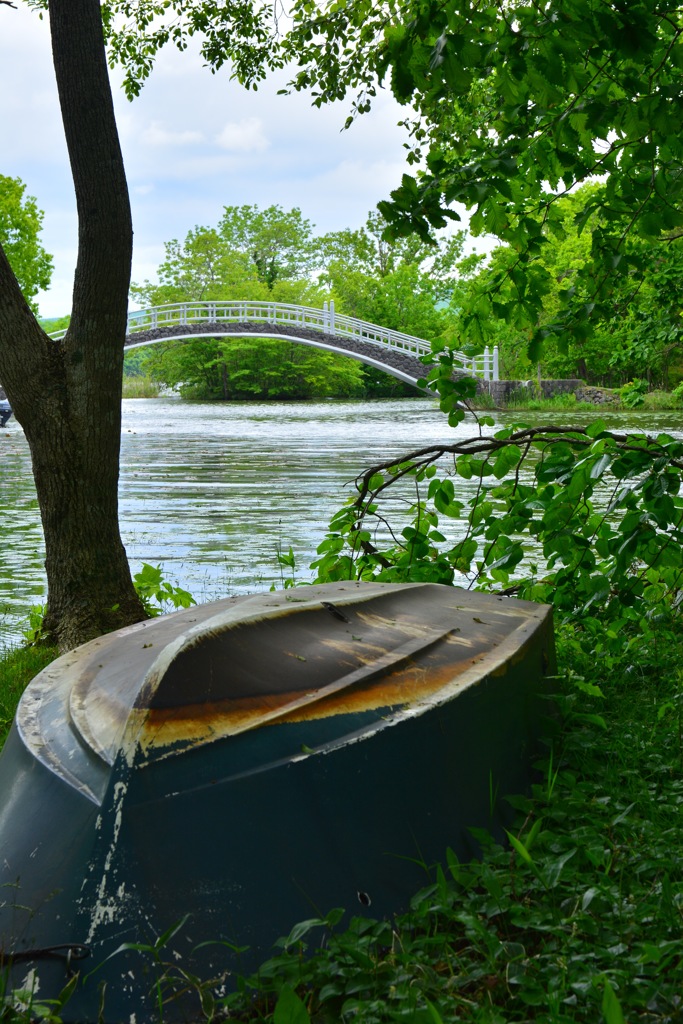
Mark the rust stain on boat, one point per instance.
(388, 649)
(419, 682)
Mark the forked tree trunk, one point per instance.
(67, 395)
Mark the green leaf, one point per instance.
(599, 466)
(592, 689)
(434, 1014)
(553, 870)
(289, 1009)
(611, 1006)
(506, 460)
(519, 848)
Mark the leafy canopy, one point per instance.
(251, 253)
(278, 243)
(253, 369)
(633, 336)
(202, 267)
(20, 225)
(516, 105)
(404, 284)
(508, 107)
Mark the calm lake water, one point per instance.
(212, 490)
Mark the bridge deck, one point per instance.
(392, 351)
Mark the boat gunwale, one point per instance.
(55, 685)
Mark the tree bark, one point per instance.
(67, 395)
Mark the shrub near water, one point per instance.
(633, 393)
(605, 510)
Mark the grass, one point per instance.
(18, 666)
(141, 387)
(656, 401)
(558, 403)
(531, 402)
(579, 920)
(653, 401)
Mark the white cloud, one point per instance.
(189, 167)
(158, 135)
(351, 177)
(193, 143)
(245, 136)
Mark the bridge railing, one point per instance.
(325, 320)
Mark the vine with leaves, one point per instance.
(588, 520)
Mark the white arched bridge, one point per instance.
(392, 351)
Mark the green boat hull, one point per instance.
(247, 765)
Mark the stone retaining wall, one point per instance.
(502, 391)
(597, 396)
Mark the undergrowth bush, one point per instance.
(633, 393)
(585, 519)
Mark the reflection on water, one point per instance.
(212, 490)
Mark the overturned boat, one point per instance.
(244, 765)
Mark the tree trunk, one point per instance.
(67, 395)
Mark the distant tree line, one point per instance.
(274, 254)
(638, 334)
(432, 290)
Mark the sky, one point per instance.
(193, 143)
